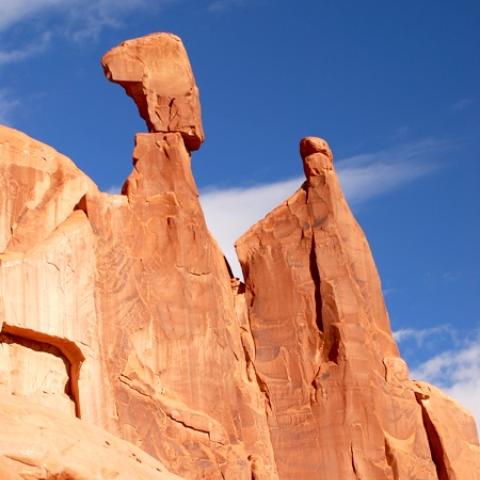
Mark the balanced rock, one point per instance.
(155, 71)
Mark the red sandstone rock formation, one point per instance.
(41, 443)
(341, 404)
(156, 73)
(121, 310)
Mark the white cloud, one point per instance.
(6, 106)
(90, 17)
(368, 175)
(72, 19)
(231, 211)
(88, 14)
(14, 11)
(29, 50)
(457, 372)
(420, 335)
(113, 190)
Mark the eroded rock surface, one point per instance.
(155, 71)
(42, 443)
(127, 316)
(174, 342)
(341, 404)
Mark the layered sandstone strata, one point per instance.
(121, 310)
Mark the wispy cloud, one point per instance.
(419, 336)
(15, 11)
(89, 15)
(7, 105)
(74, 20)
(29, 50)
(372, 174)
(231, 211)
(113, 190)
(92, 16)
(457, 371)
(462, 104)
(221, 5)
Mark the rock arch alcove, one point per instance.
(40, 368)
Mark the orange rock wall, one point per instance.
(126, 313)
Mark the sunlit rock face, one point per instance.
(340, 402)
(121, 310)
(155, 71)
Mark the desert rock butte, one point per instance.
(129, 351)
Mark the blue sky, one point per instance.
(393, 86)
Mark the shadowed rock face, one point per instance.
(141, 330)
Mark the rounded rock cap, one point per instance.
(310, 145)
(316, 155)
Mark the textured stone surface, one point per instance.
(41, 443)
(155, 71)
(174, 342)
(47, 279)
(122, 311)
(49, 386)
(452, 434)
(340, 402)
(39, 189)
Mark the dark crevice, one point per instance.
(315, 274)
(434, 443)
(332, 345)
(229, 269)
(82, 205)
(241, 288)
(391, 461)
(354, 468)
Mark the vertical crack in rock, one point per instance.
(263, 386)
(315, 274)
(391, 461)
(229, 269)
(434, 442)
(354, 468)
(332, 344)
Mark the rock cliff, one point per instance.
(121, 310)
